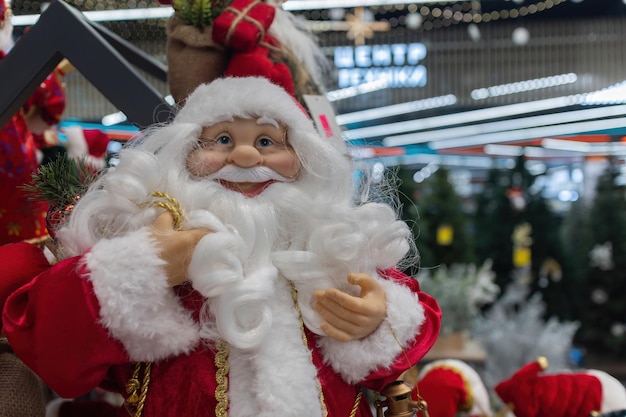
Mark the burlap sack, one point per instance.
(21, 392)
(193, 58)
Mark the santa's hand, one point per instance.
(347, 317)
(176, 247)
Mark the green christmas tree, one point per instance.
(603, 311)
(515, 227)
(444, 227)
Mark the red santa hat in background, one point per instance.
(576, 394)
(451, 387)
(87, 144)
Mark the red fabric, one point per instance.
(65, 345)
(21, 218)
(49, 98)
(558, 395)
(257, 63)
(21, 263)
(243, 24)
(444, 391)
(61, 341)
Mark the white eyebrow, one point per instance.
(265, 120)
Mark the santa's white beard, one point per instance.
(233, 266)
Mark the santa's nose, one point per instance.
(245, 156)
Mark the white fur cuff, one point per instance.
(356, 359)
(136, 303)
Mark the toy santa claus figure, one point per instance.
(577, 394)
(452, 388)
(21, 218)
(225, 268)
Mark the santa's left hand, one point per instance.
(347, 317)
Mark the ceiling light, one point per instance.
(456, 119)
(446, 160)
(356, 90)
(331, 4)
(106, 15)
(505, 125)
(396, 109)
(526, 134)
(602, 148)
(611, 95)
(522, 86)
(504, 150)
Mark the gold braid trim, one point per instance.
(355, 407)
(221, 392)
(137, 389)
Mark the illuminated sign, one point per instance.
(397, 64)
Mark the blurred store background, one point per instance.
(505, 121)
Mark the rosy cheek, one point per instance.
(201, 163)
(286, 165)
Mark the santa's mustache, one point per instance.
(232, 173)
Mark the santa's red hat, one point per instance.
(576, 394)
(450, 386)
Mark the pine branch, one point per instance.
(60, 181)
(199, 13)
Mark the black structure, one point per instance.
(100, 56)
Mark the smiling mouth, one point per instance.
(249, 189)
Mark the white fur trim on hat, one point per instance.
(479, 394)
(356, 359)
(136, 303)
(613, 391)
(226, 98)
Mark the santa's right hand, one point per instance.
(175, 247)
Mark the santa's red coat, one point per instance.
(54, 324)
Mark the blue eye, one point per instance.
(223, 140)
(264, 142)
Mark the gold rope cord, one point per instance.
(137, 389)
(137, 385)
(172, 205)
(221, 392)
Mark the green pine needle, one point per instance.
(199, 13)
(60, 181)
